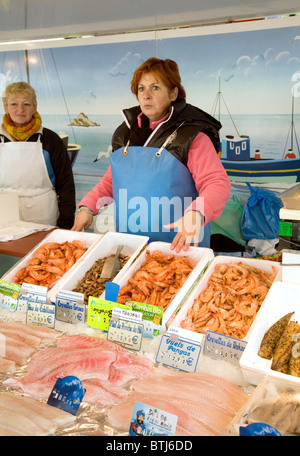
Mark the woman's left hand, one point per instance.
(189, 227)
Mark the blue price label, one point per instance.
(67, 394)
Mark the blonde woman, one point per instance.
(34, 162)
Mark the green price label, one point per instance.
(99, 312)
(285, 229)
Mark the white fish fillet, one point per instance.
(14, 423)
(14, 333)
(128, 367)
(66, 348)
(13, 404)
(7, 366)
(92, 362)
(18, 341)
(36, 390)
(213, 417)
(102, 393)
(120, 415)
(20, 415)
(100, 361)
(57, 416)
(85, 341)
(102, 366)
(45, 333)
(15, 350)
(209, 401)
(206, 387)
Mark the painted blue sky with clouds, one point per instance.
(255, 70)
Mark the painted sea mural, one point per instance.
(258, 68)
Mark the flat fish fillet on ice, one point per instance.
(102, 393)
(128, 367)
(70, 349)
(45, 334)
(57, 416)
(100, 364)
(120, 415)
(28, 339)
(15, 350)
(96, 358)
(81, 363)
(208, 389)
(85, 341)
(18, 341)
(17, 424)
(7, 366)
(210, 401)
(23, 416)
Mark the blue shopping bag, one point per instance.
(260, 218)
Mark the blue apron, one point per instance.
(151, 188)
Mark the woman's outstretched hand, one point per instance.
(189, 227)
(83, 220)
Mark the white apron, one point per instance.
(23, 170)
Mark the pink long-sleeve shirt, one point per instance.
(210, 177)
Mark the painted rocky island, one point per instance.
(82, 120)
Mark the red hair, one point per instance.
(166, 70)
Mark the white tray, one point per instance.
(199, 255)
(281, 299)
(264, 265)
(89, 240)
(133, 244)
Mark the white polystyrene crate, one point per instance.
(199, 255)
(89, 240)
(281, 299)
(107, 246)
(264, 265)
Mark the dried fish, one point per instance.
(272, 336)
(284, 346)
(294, 361)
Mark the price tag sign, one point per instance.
(152, 317)
(285, 229)
(219, 346)
(67, 394)
(178, 353)
(9, 293)
(100, 311)
(128, 314)
(128, 333)
(70, 307)
(151, 421)
(40, 314)
(32, 293)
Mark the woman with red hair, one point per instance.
(165, 173)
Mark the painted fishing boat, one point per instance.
(73, 149)
(241, 167)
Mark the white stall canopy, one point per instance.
(35, 19)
